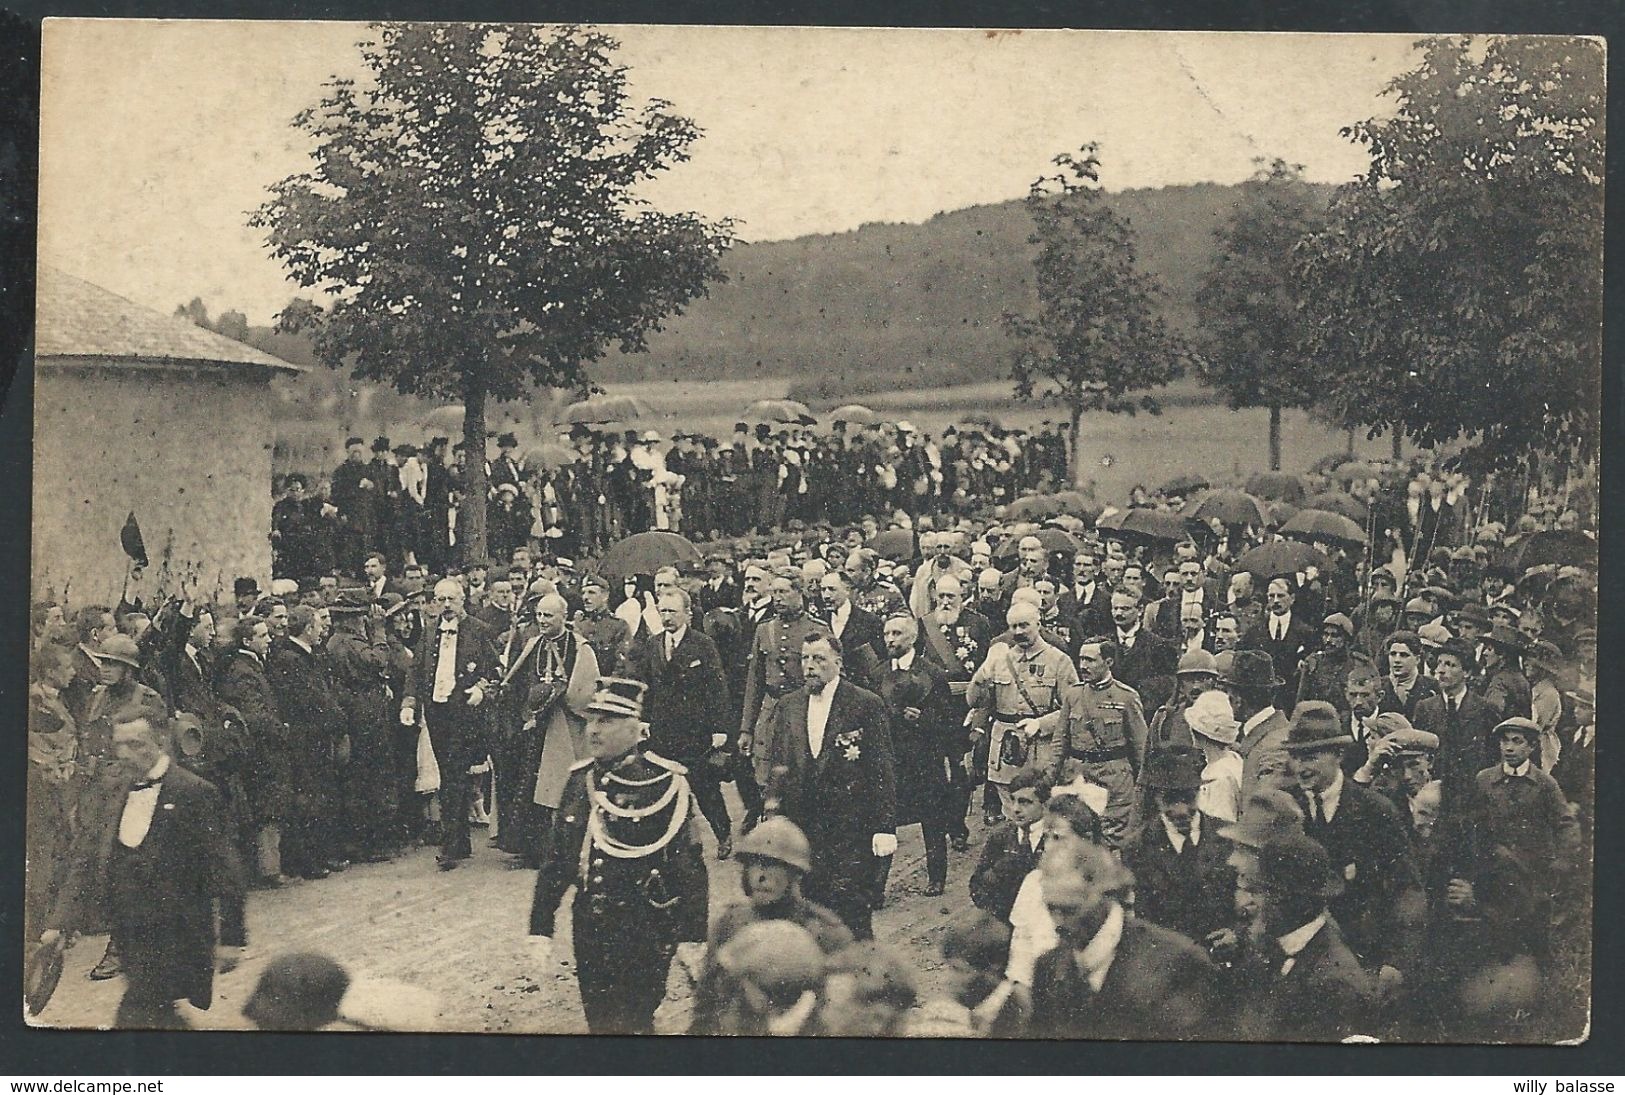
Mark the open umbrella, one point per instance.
(856, 413)
(1278, 485)
(603, 409)
(1111, 520)
(1076, 504)
(1553, 547)
(448, 418)
(647, 552)
(1281, 557)
(896, 544)
(1319, 524)
(1053, 539)
(1231, 507)
(1350, 470)
(1184, 485)
(1155, 524)
(547, 456)
(1280, 512)
(1338, 502)
(788, 411)
(981, 418)
(1034, 507)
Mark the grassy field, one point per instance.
(1190, 436)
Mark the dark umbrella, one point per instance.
(1155, 524)
(1319, 524)
(647, 552)
(42, 973)
(1281, 557)
(1053, 539)
(547, 456)
(1184, 485)
(130, 537)
(1075, 503)
(1034, 507)
(1281, 512)
(981, 418)
(1554, 547)
(1112, 522)
(1231, 507)
(1338, 502)
(1277, 485)
(896, 544)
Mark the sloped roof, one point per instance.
(75, 319)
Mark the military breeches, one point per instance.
(621, 965)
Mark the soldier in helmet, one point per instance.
(772, 971)
(773, 859)
(625, 836)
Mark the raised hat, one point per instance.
(1174, 770)
(1252, 669)
(1395, 727)
(245, 587)
(1296, 864)
(618, 696)
(1268, 812)
(1316, 726)
(1197, 663)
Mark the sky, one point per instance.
(158, 137)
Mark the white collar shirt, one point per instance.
(1520, 770)
(905, 663)
(837, 622)
(818, 704)
(1294, 941)
(1331, 797)
(139, 806)
(1279, 625)
(673, 640)
(1177, 838)
(1097, 955)
(445, 667)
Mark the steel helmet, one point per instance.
(781, 840)
(776, 955)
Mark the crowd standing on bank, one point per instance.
(1217, 781)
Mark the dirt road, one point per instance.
(459, 936)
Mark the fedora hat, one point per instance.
(1315, 726)
(1268, 812)
(1473, 612)
(1174, 770)
(1252, 669)
(1296, 864)
(120, 648)
(1507, 638)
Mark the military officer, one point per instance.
(1098, 733)
(627, 838)
(1019, 683)
(597, 626)
(774, 667)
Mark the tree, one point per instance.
(473, 216)
(1456, 293)
(1097, 336)
(1248, 302)
(194, 312)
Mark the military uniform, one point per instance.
(1098, 733)
(625, 838)
(773, 671)
(880, 597)
(1012, 685)
(606, 633)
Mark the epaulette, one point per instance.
(580, 764)
(661, 762)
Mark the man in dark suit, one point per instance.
(863, 648)
(1145, 662)
(832, 772)
(1310, 987)
(687, 705)
(315, 721)
(1012, 850)
(1088, 602)
(454, 665)
(927, 738)
(1381, 906)
(1194, 589)
(1461, 718)
(1113, 976)
(1182, 879)
(1285, 637)
(169, 866)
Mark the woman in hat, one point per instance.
(1544, 666)
(1215, 728)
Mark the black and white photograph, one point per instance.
(578, 529)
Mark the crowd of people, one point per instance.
(592, 487)
(1345, 793)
